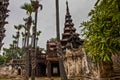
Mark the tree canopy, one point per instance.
(102, 31)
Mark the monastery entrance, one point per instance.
(41, 70)
(55, 71)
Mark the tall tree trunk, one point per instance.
(105, 70)
(34, 43)
(61, 65)
(57, 21)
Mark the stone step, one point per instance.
(117, 73)
(116, 69)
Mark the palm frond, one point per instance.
(15, 26)
(97, 2)
(14, 41)
(23, 34)
(14, 37)
(25, 19)
(20, 26)
(11, 45)
(36, 5)
(38, 33)
(28, 7)
(41, 6)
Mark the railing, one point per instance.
(41, 56)
(17, 62)
(52, 57)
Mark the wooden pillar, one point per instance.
(40, 73)
(58, 69)
(48, 69)
(37, 70)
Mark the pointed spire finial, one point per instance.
(67, 7)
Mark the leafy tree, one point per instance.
(53, 39)
(102, 32)
(10, 54)
(2, 59)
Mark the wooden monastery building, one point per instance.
(48, 64)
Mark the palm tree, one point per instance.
(15, 47)
(29, 10)
(35, 5)
(18, 28)
(37, 34)
(16, 40)
(24, 35)
(3, 15)
(32, 39)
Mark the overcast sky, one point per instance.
(46, 18)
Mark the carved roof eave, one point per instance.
(64, 40)
(66, 33)
(69, 24)
(67, 16)
(68, 28)
(52, 44)
(68, 19)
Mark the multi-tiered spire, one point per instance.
(69, 34)
(67, 8)
(3, 15)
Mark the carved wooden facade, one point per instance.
(46, 64)
(52, 59)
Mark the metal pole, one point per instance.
(61, 65)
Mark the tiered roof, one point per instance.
(51, 45)
(69, 34)
(51, 52)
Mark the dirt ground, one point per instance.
(38, 78)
